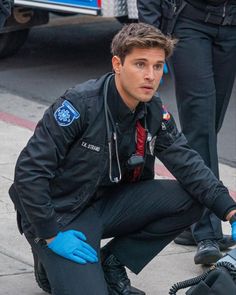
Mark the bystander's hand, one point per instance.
(71, 244)
(165, 71)
(165, 68)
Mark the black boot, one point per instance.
(208, 252)
(186, 238)
(116, 277)
(40, 275)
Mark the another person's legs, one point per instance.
(202, 96)
(224, 66)
(196, 100)
(224, 69)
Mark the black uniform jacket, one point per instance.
(152, 11)
(61, 167)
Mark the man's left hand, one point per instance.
(231, 217)
(233, 226)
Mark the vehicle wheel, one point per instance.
(126, 20)
(11, 42)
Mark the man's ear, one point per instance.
(116, 64)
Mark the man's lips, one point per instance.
(147, 87)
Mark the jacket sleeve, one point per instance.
(149, 11)
(187, 166)
(39, 161)
(5, 10)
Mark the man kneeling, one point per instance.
(87, 174)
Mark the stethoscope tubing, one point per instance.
(111, 135)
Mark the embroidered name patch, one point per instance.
(66, 114)
(91, 146)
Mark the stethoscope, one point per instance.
(111, 135)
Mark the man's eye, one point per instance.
(158, 67)
(140, 65)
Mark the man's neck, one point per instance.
(131, 105)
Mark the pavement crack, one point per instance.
(15, 274)
(15, 258)
(6, 178)
(176, 252)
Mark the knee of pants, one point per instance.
(177, 221)
(189, 212)
(67, 277)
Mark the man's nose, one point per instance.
(149, 74)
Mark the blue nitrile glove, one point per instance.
(71, 244)
(165, 68)
(165, 71)
(233, 226)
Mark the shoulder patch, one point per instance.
(66, 114)
(165, 113)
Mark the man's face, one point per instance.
(139, 77)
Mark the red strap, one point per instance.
(141, 136)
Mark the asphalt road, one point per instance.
(72, 50)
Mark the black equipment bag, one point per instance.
(218, 282)
(220, 279)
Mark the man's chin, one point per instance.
(146, 98)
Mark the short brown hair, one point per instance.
(140, 35)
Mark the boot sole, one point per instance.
(223, 243)
(114, 292)
(207, 259)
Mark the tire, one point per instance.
(11, 42)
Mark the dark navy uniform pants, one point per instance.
(204, 65)
(142, 218)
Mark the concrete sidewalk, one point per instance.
(174, 264)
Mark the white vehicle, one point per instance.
(29, 13)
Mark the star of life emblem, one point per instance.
(66, 114)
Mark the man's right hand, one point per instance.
(71, 244)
